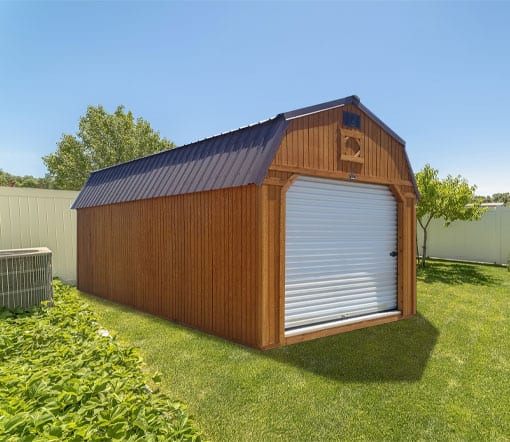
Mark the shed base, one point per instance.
(317, 331)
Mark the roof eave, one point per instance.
(353, 99)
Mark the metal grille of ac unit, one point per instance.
(25, 277)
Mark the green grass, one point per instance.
(442, 375)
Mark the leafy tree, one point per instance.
(7, 179)
(497, 198)
(102, 140)
(451, 199)
(500, 198)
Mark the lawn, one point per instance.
(442, 375)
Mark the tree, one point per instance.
(7, 179)
(451, 199)
(497, 198)
(501, 198)
(102, 140)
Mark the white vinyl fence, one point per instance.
(486, 240)
(41, 218)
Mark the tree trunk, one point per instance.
(424, 254)
(424, 227)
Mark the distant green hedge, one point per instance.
(63, 378)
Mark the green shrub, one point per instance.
(63, 378)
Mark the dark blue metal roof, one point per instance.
(230, 159)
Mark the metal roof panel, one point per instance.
(230, 159)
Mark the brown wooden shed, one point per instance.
(290, 229)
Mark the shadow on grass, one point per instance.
(454, 273)
(394, 352)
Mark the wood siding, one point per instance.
(313, 143)
(215, 260)
(312, 146)
(189, 258)
(271, 294)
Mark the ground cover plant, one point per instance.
(62, 377)
(442, 375)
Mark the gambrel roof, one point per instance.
(236, 158)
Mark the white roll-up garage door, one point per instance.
(340, 253)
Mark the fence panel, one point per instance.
(485, 240)
(40, 218)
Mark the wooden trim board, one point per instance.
(341, 329)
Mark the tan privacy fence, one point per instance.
(40, 218)
(486, 240)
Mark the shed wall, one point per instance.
(215, 260)
(312, 143)
(311, 147)
(189, 258)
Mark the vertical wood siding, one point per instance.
(271, 295)
(313, 142)
(189, 258)
(215, 260)
(312, 146)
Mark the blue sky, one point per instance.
(438, 73)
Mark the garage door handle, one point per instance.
(393, 254)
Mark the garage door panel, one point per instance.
(339, 293)
(329, 255)
(354, 204)
(339, 236)
(299, 285)
(345, 305)
(333, 260)
(332, 297)
(371, 241)
(329, 277)
(330, 193)
(336, 314)
(352, 225)
(324, 219)
(330, 252)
